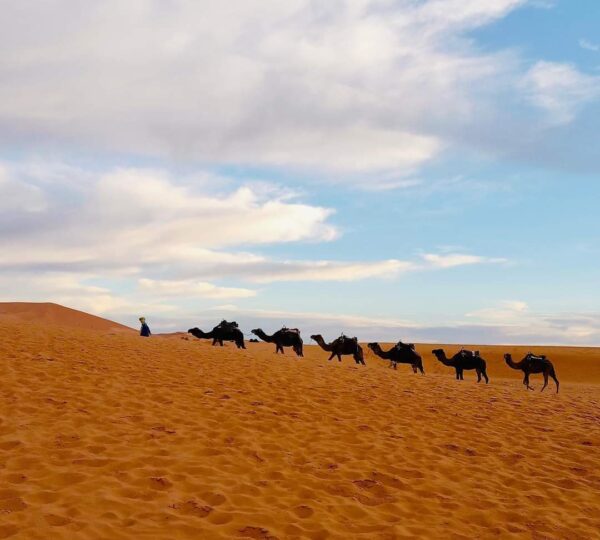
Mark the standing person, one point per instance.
(145, 329)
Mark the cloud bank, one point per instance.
(360, 91)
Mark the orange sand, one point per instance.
(56, 315)
(112, 436)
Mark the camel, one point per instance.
(340, 346)
(286, 337)
(533, 364)
(463, 360)
(224, 331)
(402, 353)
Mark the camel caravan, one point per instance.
(400, 353)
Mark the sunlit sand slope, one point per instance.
(118, 437)
(51, 314)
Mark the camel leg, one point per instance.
(478, 375)
(457, 375)
(553, 375)
(526, 382)
(487, 380)
(332, 355)
(339, 357)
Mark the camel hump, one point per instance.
(532, 356)
(465, 353)
(402, 345)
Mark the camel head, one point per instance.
(256, 331)
(507, 358)
(438, 353)
(316, 337)
(373, 346)
(195, 332)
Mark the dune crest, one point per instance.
(56, 315)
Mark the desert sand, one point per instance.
(106, 435)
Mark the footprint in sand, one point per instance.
(192, 508)
(15, 478)
(8, 506)
(214, 499)
(10, 445)
(158, 482)
(303, 511)
(8, 530)
(56, 521)
(256, 532)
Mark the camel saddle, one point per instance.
(344, 338)
(465, 352)
(401, 345)
(531, 356)
(227, 325)
(292, 330)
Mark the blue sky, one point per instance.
(393, 169)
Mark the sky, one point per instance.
(422, 170)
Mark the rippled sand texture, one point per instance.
(111, 436)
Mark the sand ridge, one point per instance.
(51, 314)
(112, 436)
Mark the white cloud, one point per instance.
(343, 320)
(516, 322)
(16, 194)
(191, 289)
(560, 89)
(510, 322)
(358, 89)
(139, 222)
(588, 45)
(332, 270)
(135, 217)
(450, 260)
(508, 311)
(70, 289)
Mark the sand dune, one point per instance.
(112, 436)
(51, 314)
